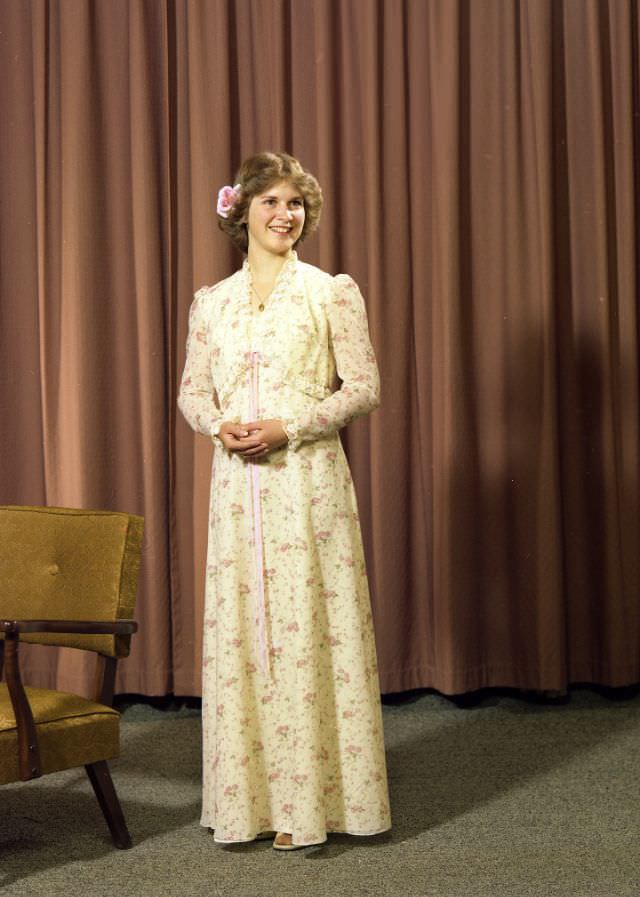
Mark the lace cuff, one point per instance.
(292, 429)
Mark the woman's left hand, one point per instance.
(271, 435)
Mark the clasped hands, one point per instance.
(253, 440)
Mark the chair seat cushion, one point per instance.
(72, 731)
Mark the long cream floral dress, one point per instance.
(292, 727)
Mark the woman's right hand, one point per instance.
(237, 439)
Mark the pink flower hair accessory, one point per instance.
(227, 198)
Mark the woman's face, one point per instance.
(276, 218)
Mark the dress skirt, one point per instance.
(297, 747)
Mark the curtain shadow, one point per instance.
(538, 561)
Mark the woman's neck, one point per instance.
(265, 266)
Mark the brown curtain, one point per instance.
(481, 165)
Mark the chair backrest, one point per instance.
(66, 564)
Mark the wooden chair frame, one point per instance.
(27, 731)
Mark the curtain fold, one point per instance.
(482, 183)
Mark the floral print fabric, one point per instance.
(292, 727)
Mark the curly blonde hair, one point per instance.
(256, 175)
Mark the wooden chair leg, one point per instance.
(100, 778)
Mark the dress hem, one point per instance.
(304, 844)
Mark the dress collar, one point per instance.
(283, 280)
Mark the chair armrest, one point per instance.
(28, 748)
(87, 627)
(106, 670)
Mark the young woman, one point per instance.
(293, 740)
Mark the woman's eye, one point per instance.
(296, 203)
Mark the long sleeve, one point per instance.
(356, 367)
(196, 398)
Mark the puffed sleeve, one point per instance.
(196, 398)
(356, 366)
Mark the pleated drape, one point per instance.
(480, 162)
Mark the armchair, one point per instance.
(67, 578)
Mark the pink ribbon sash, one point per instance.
(261, 647)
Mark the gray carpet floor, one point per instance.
(502, 798)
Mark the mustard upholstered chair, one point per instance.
(69, 578)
